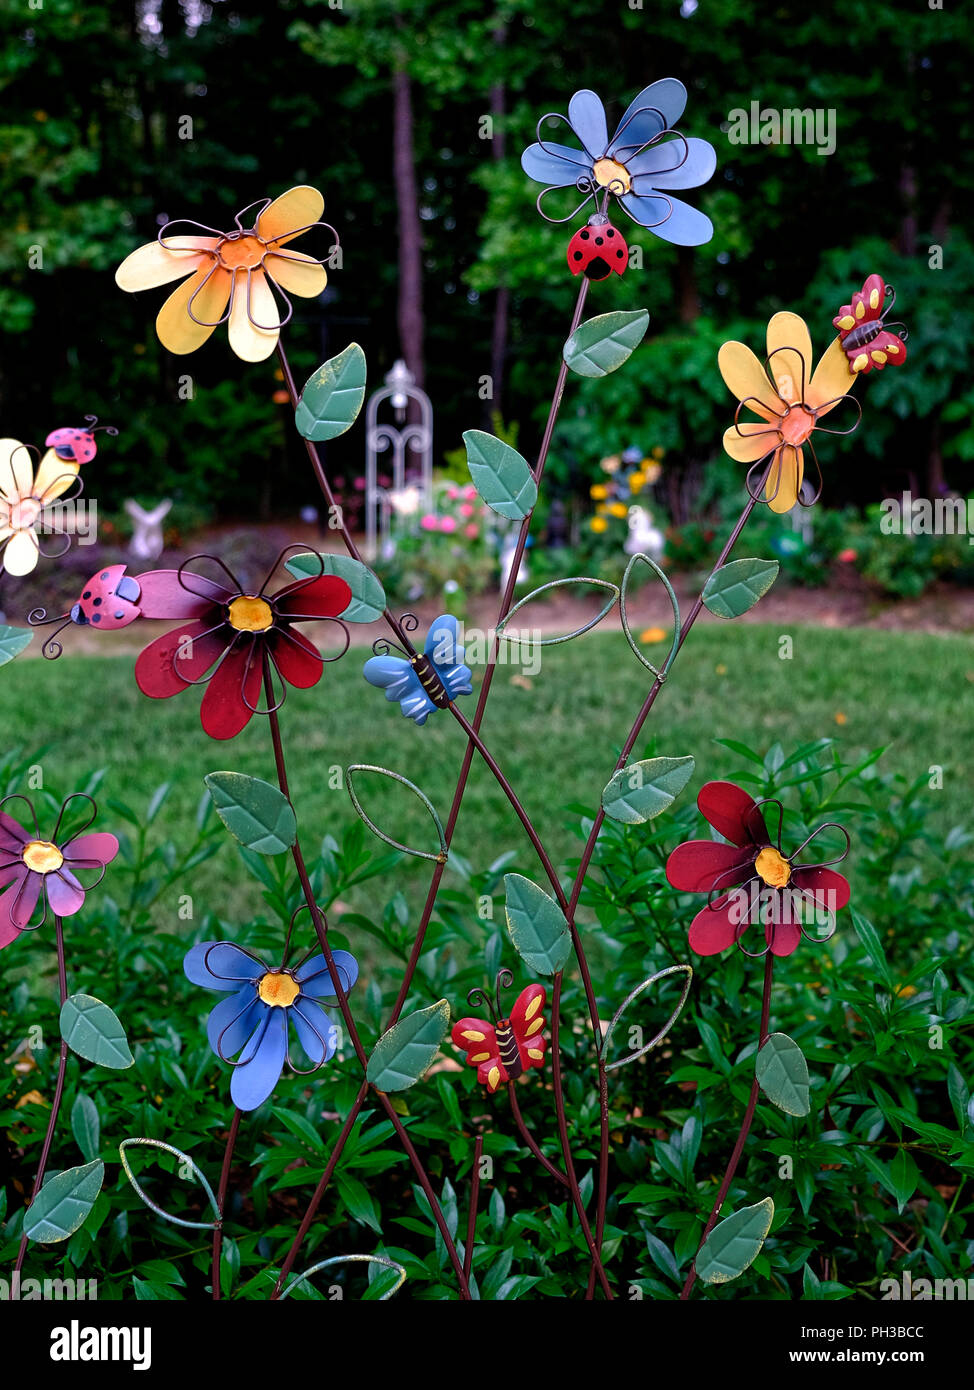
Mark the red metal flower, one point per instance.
(32, 868)
(230, 636)
(766, 887)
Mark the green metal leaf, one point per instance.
(782, 1074)
(600, 345)
(355, 768)
(185, 1163)
(257, 814)
(86, 1126)
(736, 587)
(660, 1034)
(406, 1051)
(641, 791)
(93, 1031)
(13, 640)
(734, 1244)
(63, 1203)
(368, 596)
(500, 475)
(332, 396)
(536, 925)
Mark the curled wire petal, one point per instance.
(583, 184)
(64, 806)
(184, 569)
(211, 323)
(19, 796)
(302, 583)
(826, 825)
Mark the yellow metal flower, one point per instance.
(23, 497)
(231, 275)
(790, 401)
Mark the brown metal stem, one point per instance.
(352, 1030)
(221, 1197)
(735, 1157)
(62, 979)
(478, 1149)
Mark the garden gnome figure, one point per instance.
(147, 541)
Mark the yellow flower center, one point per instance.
(773, 867)
(610, 171)
(42, 857)
(249, 613)
(797, 425)
(241, 252)
(278, 988)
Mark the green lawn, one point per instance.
(557, 741)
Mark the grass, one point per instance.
(557, 741)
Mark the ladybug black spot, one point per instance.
(86, 594)
(610, 233)
(97, 601)
(96, 618)
(619, 255)
(577, 256)
(105, 575)
(586, 235)
(598, 241)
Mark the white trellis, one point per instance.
(395, 437)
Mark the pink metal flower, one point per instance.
(32, 868)
(750, 881)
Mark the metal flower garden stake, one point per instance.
(244, 646)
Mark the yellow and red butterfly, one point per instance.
(503, 1048)
(866, 339)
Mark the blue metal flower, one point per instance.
(646, 157)
(264, 1004)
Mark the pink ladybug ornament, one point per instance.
(77, 445)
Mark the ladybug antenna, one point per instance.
(37, 617)
(478, 998)
(93, 426)
(505, 978)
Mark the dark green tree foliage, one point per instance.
(97, 102)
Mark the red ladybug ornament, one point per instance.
(77, 445)
(598, 249)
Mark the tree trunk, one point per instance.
(410, 232)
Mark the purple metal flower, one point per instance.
(265, 1003)
(646, 156)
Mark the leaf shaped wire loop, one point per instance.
(153, 1206)
(567, 637)
(660, 672)
(441, 856)
(686, 970)
(351, 1259)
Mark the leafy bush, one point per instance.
(869, 1185)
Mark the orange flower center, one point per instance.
(278, 988)
(797, 425)
(610, 171)
(241, 252)
(773, 867)
(248, 613)
(41, 856)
